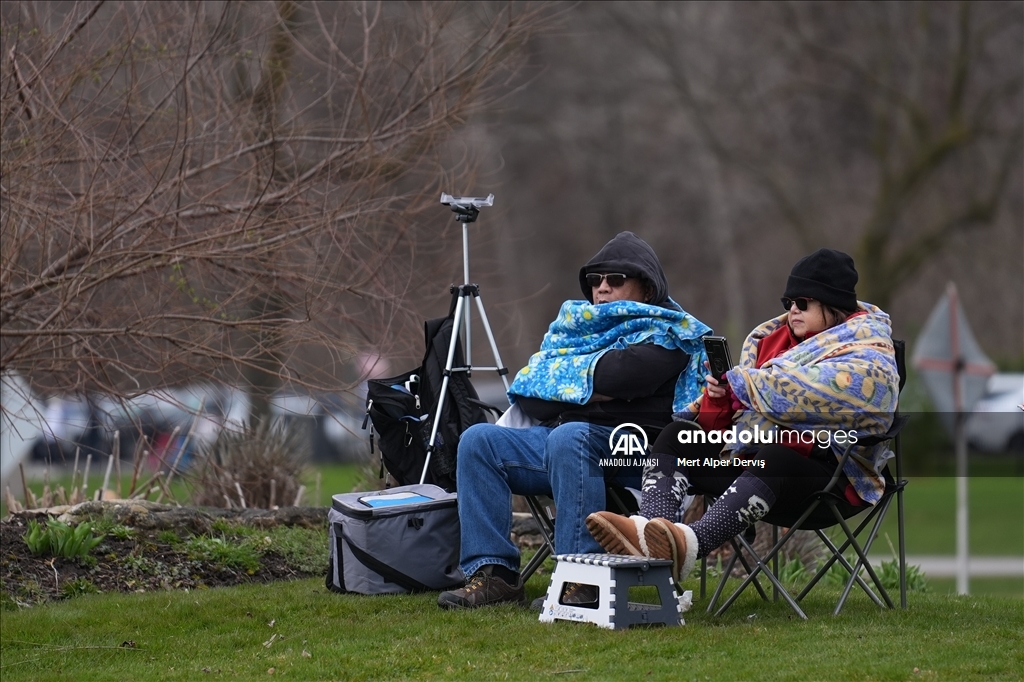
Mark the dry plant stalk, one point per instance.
(50, 497)
(252, 468)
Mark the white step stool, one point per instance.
(613, 575)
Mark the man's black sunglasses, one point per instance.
(615, 280)
(801, 303)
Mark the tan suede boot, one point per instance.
(675, 541)
(619, 534)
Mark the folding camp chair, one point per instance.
(829, 496)
(541, 512)
(618, 499)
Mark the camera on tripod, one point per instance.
(466, 209)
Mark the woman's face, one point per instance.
(805, 322)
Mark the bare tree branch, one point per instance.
(205, 190)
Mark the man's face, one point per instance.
(631, 290)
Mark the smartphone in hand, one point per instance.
(719, 359)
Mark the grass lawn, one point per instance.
(340, 478)
(333, 479)
(996, 521)
(996, 512)
(301, 631)
(995, 587)
(995, 515)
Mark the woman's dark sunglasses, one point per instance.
(615, 280)
(801, 303)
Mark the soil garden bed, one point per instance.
(149, 546)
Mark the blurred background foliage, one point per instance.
(733, 137)
(738, 137)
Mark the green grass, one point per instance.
(304, 548)
(994, 587)
(179, 488)
(334, 478)
(995, 517)
(996, 510)
(243, 632)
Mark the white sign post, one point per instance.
(955, 370)
(21, 423)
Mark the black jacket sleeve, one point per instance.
(546, 412)
(640, 380)
(637, 371)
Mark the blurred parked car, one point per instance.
(997, 423)
(332, 423)
(164, 417)
(88, 424)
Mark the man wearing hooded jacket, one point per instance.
(632, 382)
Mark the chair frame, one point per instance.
(877, 514)
(541, 513)
(546, 521)
(894, 488)
(616, 499)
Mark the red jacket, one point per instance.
(716, 413)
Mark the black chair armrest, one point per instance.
(897, 425)
(497, 411)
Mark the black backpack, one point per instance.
(402, 410)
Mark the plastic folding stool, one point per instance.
(613, 575)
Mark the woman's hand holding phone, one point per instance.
(718, 363)
(713, 388)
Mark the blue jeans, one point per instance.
(496, 462)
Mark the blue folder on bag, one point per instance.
(394, 499)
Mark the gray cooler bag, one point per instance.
(394, 541)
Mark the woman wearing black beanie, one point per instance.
(772, 432)
(824, 283)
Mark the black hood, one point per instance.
(631, 256)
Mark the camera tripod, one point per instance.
(466, 210)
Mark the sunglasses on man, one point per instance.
(615, 280)
(801, 303)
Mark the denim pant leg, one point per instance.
(573, 455)
(494, 463)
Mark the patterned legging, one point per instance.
(778, 492)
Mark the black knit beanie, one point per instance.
(826, 275)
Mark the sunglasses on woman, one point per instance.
(615, 280)
(801, 303)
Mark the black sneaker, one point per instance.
(576, 594)
(483, 589)
(580, 594)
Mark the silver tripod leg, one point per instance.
(460, 311)
(499, 366)
(444, 385)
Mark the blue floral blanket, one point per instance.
(563, 368)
